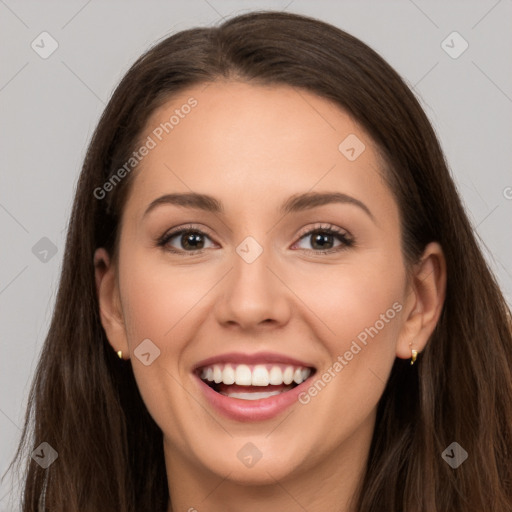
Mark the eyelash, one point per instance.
(347, 241)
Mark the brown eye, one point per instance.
(184, 240)
(192, 241)
(323, 240)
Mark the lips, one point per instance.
(252, 387)
(252, 359)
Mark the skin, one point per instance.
(252, 147)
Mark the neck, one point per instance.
(326, 481)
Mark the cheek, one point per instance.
(362, 310)
(358, 306)
(157, 299)
(353, 298)
(160, 304)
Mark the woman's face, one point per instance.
(247, 292)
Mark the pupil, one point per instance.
(191, 240)
(320, 239)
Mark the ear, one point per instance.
(109, 302)
(424, 301)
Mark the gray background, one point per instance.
(51, 106)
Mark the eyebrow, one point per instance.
(295, 203)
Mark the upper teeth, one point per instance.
(258, 375)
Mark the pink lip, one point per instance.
(257, 358)
(252, 410)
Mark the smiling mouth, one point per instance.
(253, 382)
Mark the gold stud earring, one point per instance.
(414, 355)
(120, 354)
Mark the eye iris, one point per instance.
(191, 240)
(320, 239)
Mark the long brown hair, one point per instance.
(85, 402)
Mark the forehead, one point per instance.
(250, 144)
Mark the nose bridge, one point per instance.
(251, 262)
(252, 294)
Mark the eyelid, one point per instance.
(187, 227)
(320, 227)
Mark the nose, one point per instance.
(253, 295)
